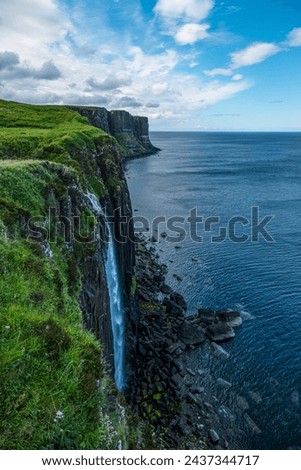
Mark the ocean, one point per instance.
(233, 181)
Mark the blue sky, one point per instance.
(187, 64)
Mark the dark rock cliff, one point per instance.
(132, 132)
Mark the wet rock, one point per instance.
(177, 380)
(206, 316)
(295, 397)
(159, 279)
(198, 390)
(190, 334)
(255, 397)
(231, 317)
(166, 289)
(224, 383)
(219, 332)
(173, 309)
(225, 413)
(242, 403)
(253, 426)
(142, 350)
(143, 296)
(179, 300)
(219, 351)
(173, 347)
(190, 372)
(214, 437)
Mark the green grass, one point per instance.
(48, 362)
(29, 130)
(60, 135)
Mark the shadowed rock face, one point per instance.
(132, 132)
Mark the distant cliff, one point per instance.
(132, 132)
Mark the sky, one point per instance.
(189, 65)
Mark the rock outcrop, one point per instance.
(132, 132)
(167, 392)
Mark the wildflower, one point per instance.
(59, 415)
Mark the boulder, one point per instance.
(230, 317)
(173, 309)
(214, 437)
(219, 351)
(179, 300)
(242, 403)
(219, 332)
(206, 316)
(224, 383)
(191, 334)
(166, 289)
(159, 279)
(253, 426)
(255, 397)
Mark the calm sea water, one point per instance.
(224, 175)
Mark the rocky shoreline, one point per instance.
(168, 393)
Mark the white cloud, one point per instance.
(294, 38)
(26, 27)
(218, 71)
(191, 33)
(253, 54)
(237, 77)
(159, 88)
(215, 92)
(191, 9)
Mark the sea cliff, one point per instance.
(62, 183)
(132, 132)
(57, 355)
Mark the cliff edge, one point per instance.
(132, 132)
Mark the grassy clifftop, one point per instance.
(57, 134)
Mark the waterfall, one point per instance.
(114, 284)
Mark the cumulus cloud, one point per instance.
(152, 105)
(253, 54)
(128, 102)
(192, 9)
(11, 68)
(237, 76)
(112, 82)
(191, 33)
(215, 92)
(218, 71)
(8, 60)
(26, 27)
(159, 88)
(294, 38)
(182, 19)
(48, 71)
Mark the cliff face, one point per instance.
(132, 132)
